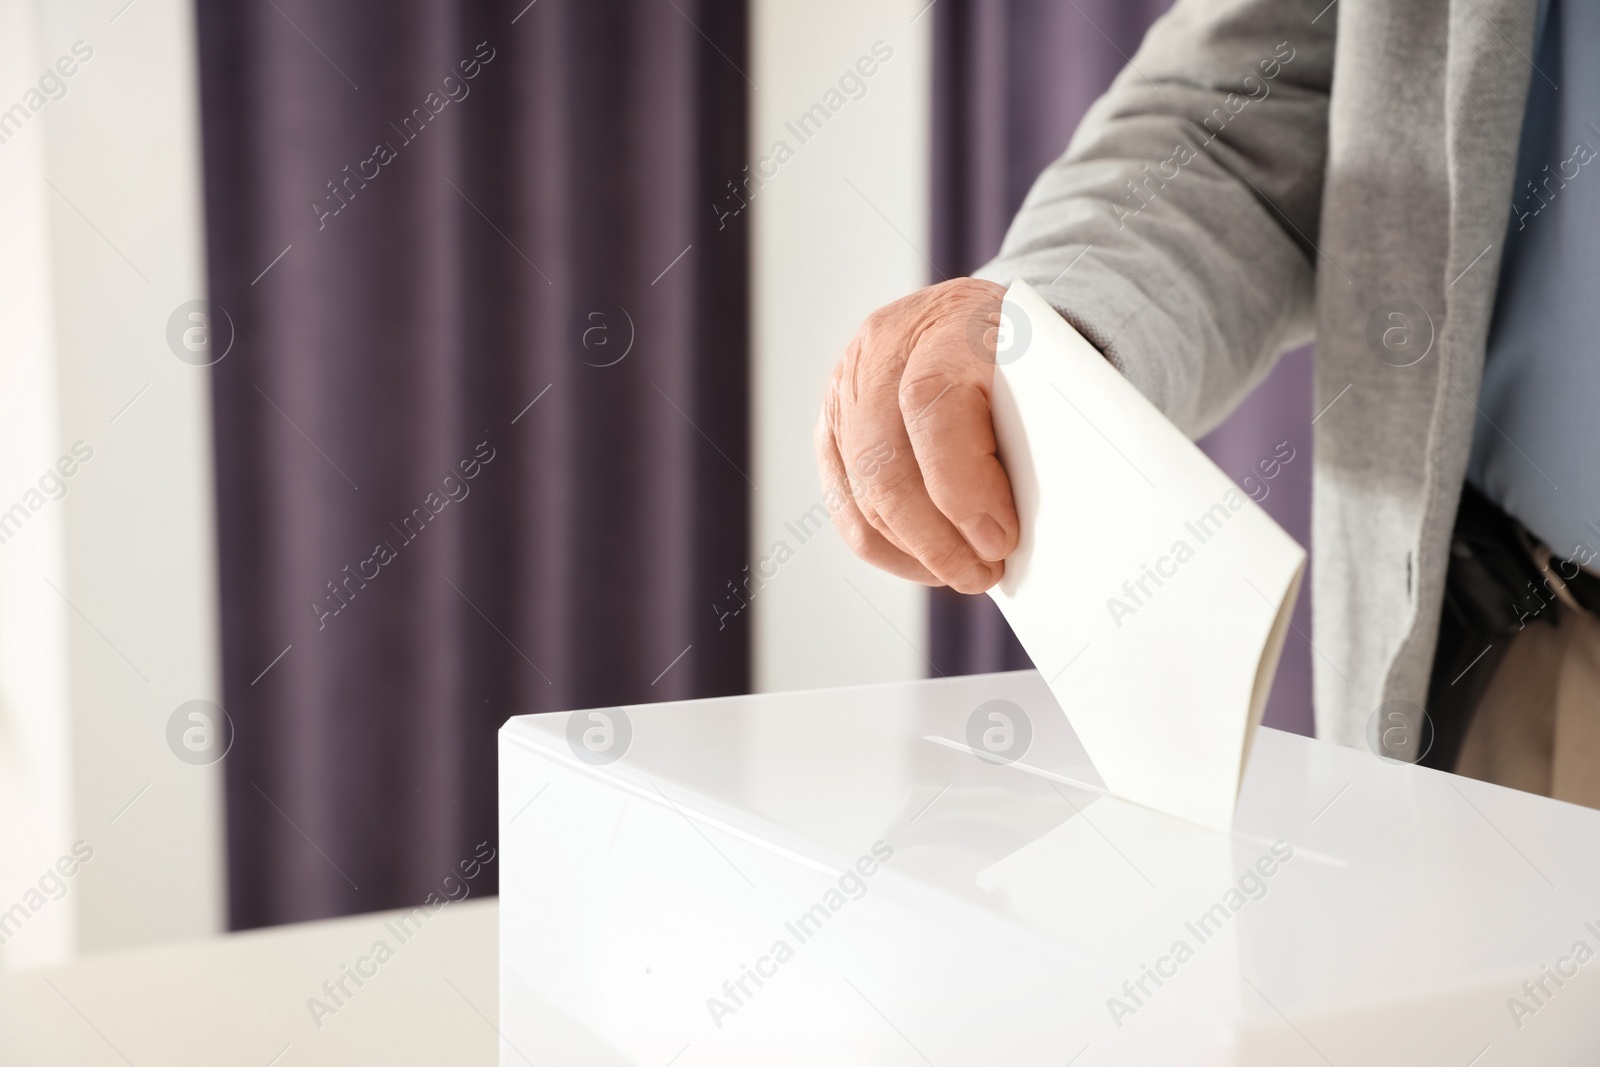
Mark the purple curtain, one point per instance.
(481, 433)
(1012, 80)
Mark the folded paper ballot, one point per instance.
(1151, 593)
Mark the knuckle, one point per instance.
(966, 316)
(874, 335)
(883, 334)
(962, 295)
(947, 486)
(873, 464)
(948, 558)
(888, 494)
(857, 536)
(933, 399)
(919, 389)
(961, 482)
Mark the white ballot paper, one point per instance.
(1152, 594)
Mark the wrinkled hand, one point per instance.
(906, 442)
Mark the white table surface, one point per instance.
(1018, 901)
(240, 1000)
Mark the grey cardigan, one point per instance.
(1301, 166)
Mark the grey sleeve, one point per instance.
(1178, 231)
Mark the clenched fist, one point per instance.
(906, 444)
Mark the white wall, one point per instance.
(839, 229)
(35, 783)
(108, 616)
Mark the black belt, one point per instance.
(1584, 587)
(1493, 589)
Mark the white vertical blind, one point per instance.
(108, 616)
(840, 217)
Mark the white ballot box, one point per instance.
(931, 873)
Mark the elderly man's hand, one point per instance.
(905, 440)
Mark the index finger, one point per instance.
(877, 452)
(945, 399)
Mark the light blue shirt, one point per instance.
(1536, 446)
